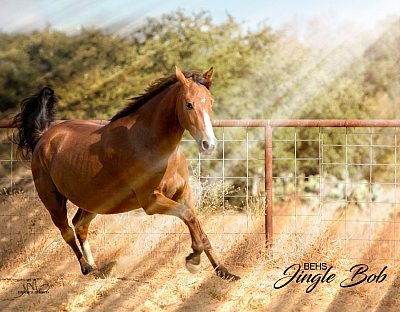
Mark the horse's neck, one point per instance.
(158, 122)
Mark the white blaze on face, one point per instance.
(209, 128)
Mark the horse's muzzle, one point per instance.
(207, 146)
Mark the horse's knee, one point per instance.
(151, 207)
(149, 211)
(154, 208)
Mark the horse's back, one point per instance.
(81, 126)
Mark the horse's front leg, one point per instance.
(159, 204)
(211, 255)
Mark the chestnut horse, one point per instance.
(132, 162)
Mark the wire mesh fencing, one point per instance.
(227, 185)
(333, 190)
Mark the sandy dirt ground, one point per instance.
(141, 261)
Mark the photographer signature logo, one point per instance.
(26, 287)
(305, 274)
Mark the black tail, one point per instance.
(37, 112)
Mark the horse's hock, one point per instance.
(324, 183)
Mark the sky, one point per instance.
(124, 15)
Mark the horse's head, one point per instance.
(194, 108)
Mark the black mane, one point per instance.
(155, 88)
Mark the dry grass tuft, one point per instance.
(142, 262)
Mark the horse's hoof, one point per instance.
(193, 264)
(86, 268)
(223, 273)
(192, 268)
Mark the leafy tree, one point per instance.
(259, 73)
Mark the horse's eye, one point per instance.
(189, 106)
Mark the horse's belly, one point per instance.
(94, 188)
(122, 207)
(112, 204)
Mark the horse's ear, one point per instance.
(208, 74)
(180, 76)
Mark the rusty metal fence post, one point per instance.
(268, 186)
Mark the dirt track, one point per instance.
(142, 263)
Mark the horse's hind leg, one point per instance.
(56, 204)
(81, 222)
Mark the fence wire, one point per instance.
(338, 187)
(228, 187)
(332, 187)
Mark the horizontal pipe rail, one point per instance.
(276, 123)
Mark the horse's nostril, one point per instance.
(206, 145)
